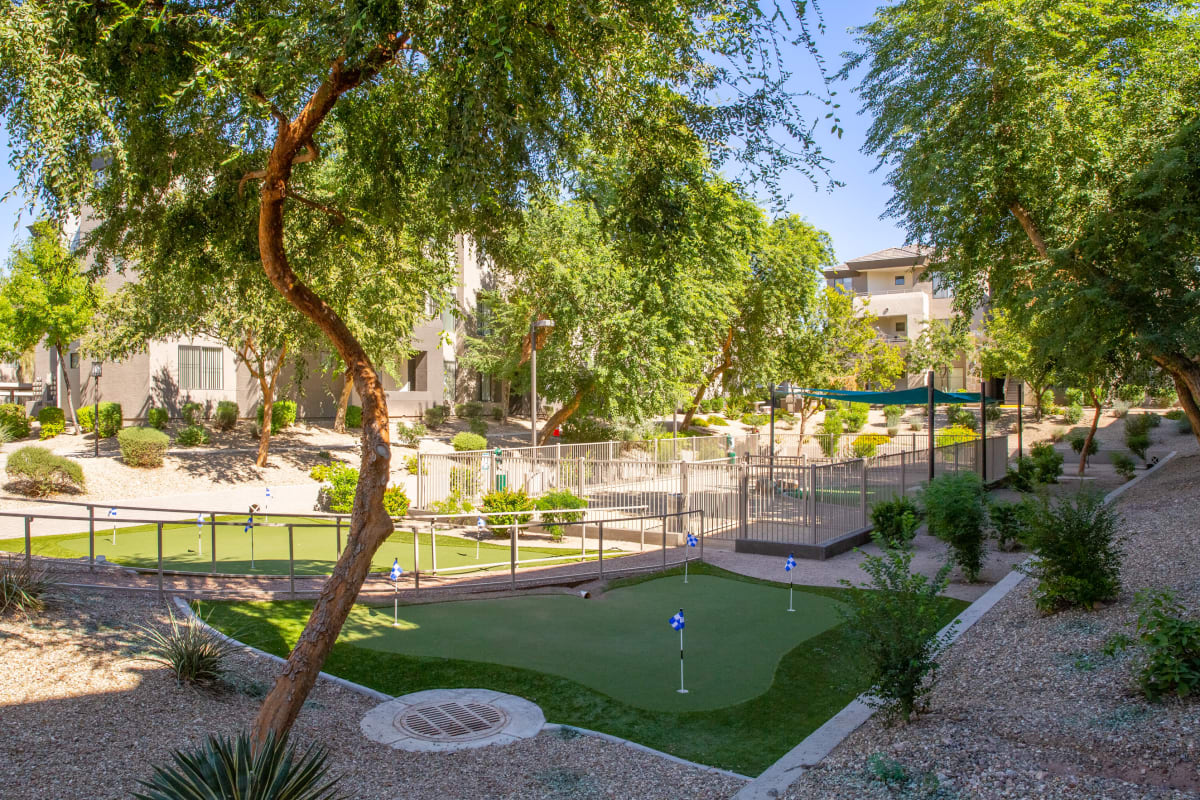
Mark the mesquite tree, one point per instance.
(456, 110)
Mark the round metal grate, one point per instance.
(451, 721)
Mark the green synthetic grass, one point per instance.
(760, 679)
(315, 542)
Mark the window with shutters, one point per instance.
(200, 367)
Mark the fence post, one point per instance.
(432, 548)
(642, 532)
(600, 551)
(579, 478)
(583, 540)
(701, 534)
(160, 568)
(863, 501)
(291, 563)
(28, 544)
(339, 536)
(903, 479)
(743, 478)
(91, 538)
(212, 541)
(812, 500)
(420, 489)
(512, 554)
(664, 540)
(416, 559)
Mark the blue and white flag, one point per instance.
(791, 563)
(268, 492)
(480, 523)
(112, 512)
(692, 540)
(396, 572)
(249, 524)
(199, 520)
(677, 621)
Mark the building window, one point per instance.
(899, 280)
(900, 327)
(941, 288)
(200, 367)
(483, 387)
(844, 284)
(75, 360)
(417, 369)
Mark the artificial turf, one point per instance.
(760, 679)
(314, 540)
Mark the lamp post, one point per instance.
(97, 371)
(533, 332)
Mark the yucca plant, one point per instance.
(233, 769)
(21, 587)
(190, 648)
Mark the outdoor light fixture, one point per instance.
(533, 331)
(97, 371)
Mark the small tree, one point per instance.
(955, 509)
(938, 346)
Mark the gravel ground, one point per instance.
(1030, 706)
(83, 717)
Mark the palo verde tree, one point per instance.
(46, 297)
(228, 105)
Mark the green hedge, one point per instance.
(468, 441)
(954, 506)
(192, 435)
(227, 415)
(157, 418)
(555, 519)
(341, 482)
(111, 418)
(14, 421)
(38, 472)
(507, 500)
(142, 447)
(52, 421)
(436, 415)
(283, 414)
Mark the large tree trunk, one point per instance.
(1087, 443)
(562, 415)
(62, 366)
(1186, 374)
(370, 524)
(718, 371)
(339, 421)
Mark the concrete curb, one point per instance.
(608, 737)
(821, 742)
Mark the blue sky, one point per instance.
(850, 213)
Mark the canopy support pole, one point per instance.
(931, 426)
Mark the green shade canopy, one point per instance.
(900, 397)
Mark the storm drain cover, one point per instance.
(452, 719)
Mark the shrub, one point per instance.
(865, 445)
(157, 418)
(14, 421)
(479, 427)
(1073, 414)
(353, 416)
(833, 420)
(1137, 423)
(193, 651)
(226, 416)
(1058, 434)
(470, 409)
(1176, 414)
(283, 414)
(21, 587)
(1121, 408)
(410, 434)
(272, 770)
(395, 501)
(1078, 552)
(1073, 397)
(1123, 464)
(143, 447)
(1047, 461)
(1046, 401)
(856, 416)
(193, 413)
(717, 421)
(554, 520)
(86, 417)
(993, 412)
(736, 405)
(468, 441)
(1138, 444)
(452, 505)
(497, 414)
(1184, 426)
(755, 420)
(340, 483)
(192, 436)
(435, 415)
(1172, 645)
(1079, 440)
(1153, 420)
(895, 521)
(412, 464)
(38, 472)
(711, 405)
(509, 500)
(893, 415)
(828, 441)
(915, 425)
(1131, 393)
(893, 621)
(955, 510)
(111, 419)
(52, 422)
(1010, 522)
(961, 417)
(953, 435)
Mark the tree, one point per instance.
(939, 345)
(46, 297)
(1007, 351)
(190, 103)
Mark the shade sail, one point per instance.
(899, 397)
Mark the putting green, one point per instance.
(315, 542)
(619, 643)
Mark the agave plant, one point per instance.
(233, 769)
(194, 651)
(21, 587)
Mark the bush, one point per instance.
(1079, 440)
(143, 447)
(1138, 444)
(915, 425)
(353, 416)
(111, 419)
(226, 417)
(21, 587)
(1058, 434)
(1176, 414)
(1131, 393)
(828, 441)
(554, 520)
(497, 414)
(468, 441)
(340, 483)
(1138, 423)
(1010, 522)
(507, 500)
(755, 420)
(961, 417)
(833, 420)
(856, 416)
(1184, 426)
(14, 421)
(1172, 645)
(865, 445)
(994, 413)
(412, 464)
(452, 505)
(1121, 408)
(955, 510)
(893, 415)
(1073, 414)
(470, 409)
(954, 435)
(157, 418)
(1048, 462)
(895, 521)
(410, 434)
(711, 405)
(1078, 552)
(283, 414)
(192, 436)
(893, 621)
(736, 405)
(52, 422)
(465, 481)
(479, 427)
(1047, 400)
(192, 413)
(1153, 420)
(38, 472)
(1123, 464)
(435, 415)
(717, 421)
(193, 651)
(395, 501)
(272, 770)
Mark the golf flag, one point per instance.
(788, 567)
(268, 492)
(112, 512)
(692, 540)
(249, 524)
(791, 563)
(677, 621)
(199, 520)
(396, 572)
(199, 532)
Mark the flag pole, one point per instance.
(685, 571)
(681, 689)
(790, 608)
(395, 604)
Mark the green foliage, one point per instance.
(1010, 521)
(412, 464)
(1079, 440)
(833, 422)
(194, 652)
(1138, 424)
(1078, 552)
(710, 405)
(1048, 462)
(470, 409)
(353, 416)
(962, 417)
(1073, 414)
(1123, 464)
(479, 427)
(865, 445)
(1176, 414)
(38, 472)
(1172, 645)
(435, 415)
(939, 345)
(554, 520)
(1184, 426)
(1131, 393)
(339, 485)
(226, 416)
(191, 436)
(856, 415)
(157, 418)
(828, 441)
(954, 435)
(508, 500)
(894, 620)
(1073, 397)
(52, 422)
(453, 505)
(465, 481)
(464, 441)
(22, 588)
(737, 404)
(14, 421)
(111, 419)
(893, 415)
(283, 414)
(1138, 443)
(395, 501)
(896, 521)
(1121, 409)
(192, 413)
(993, 412)
(1023, 475)
(755, 420)
(954, 508)
(143, 447)
(410, 434)
(238, 769)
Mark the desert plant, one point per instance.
(1176, 414)
(454, 504)
(1184, 426)
(226, 415)
(1121, 408)
(1073, 414)
(1123, 464)
(1010, 522)
(191, 436)
(465, 481)
(893, 415)
(435, 415)
(52, 422)
(755, 420)
(1172, 645)
(478, 426)
(915, 425)
(507, 500)
(412, 464)
(410, 434)
(283, 414)
(954, 507)
(1058, 434)
(893, 620)
(468, 441)
(1138, 423)
(554, 519)
(856, 416)
(1078, 552)
(865, 445)
(1048, 462)
(14, 421)
(395, 501)
(1079, 440)
(143, 447)
(497, 414)
(1023, 475)
(993, 412)
(240, 769)
(353, 416)
(22, 588)
(833, 420)
(717, 421)
(192, 413)
(157, 418)
(38, 472)
(896, 521)
(194, 652)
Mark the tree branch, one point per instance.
(299, 198)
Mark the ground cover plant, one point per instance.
(737, 626)
(192, 650)
(865, 445)
(38, 472)
(21, 588)
(1078, 552)
(1171, 644)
